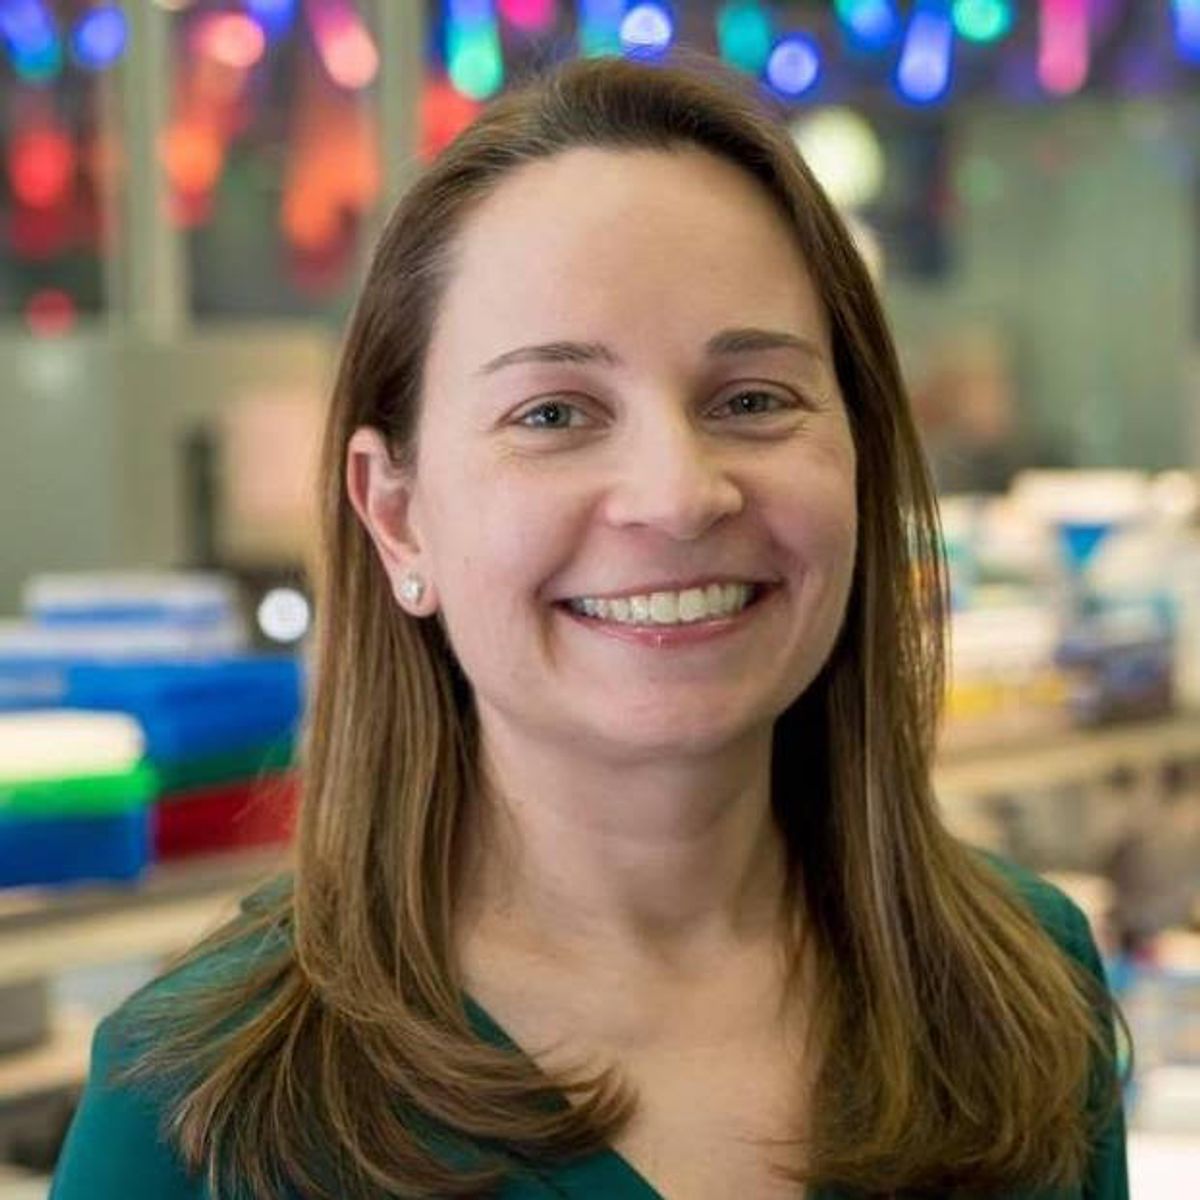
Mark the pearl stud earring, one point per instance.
(412, 588)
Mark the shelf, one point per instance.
(61, 1061)
(44, 931)
(1074, 756)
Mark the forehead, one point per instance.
(602, 243)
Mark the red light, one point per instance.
(50, 313)
(192, 155)
(445, 113)
(41, 164)
(232, 39)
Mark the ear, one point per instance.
(381, 491)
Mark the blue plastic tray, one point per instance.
(188, 709)
(66, 850)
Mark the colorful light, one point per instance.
(794, 66)
(983, 21)
(871, 24)
(275, 16)
(600, 27)
(530, 15)
(923, 73)
(344, 44)
(42, 66)
(445, 113)
(844, 153)
(192, 155)
(50, 313)
(28, 30)
(26, 26)
(474, 61)
(1063, 51)
(41, 165)
(646, 29)
(744, 34)
(100, 36)
(1186, 19)
(231, 39)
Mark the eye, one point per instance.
(554, 414)
(754, 402)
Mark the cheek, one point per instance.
(497, 541)
(818, 512)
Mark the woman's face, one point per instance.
(631, 427)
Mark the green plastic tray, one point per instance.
(81, 795)
(210, 770)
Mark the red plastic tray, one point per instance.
(254, 812)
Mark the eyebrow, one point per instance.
(727, 342)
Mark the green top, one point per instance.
(115, 1151)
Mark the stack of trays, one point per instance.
(163, 612)
(216, 726)
(75, 797)
(238, 798)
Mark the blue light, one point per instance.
(99, 37)
(794, 66)
(275, 16)
(28, 28)
(471, 12)
(600, 26)
(1187, 29)
(872, 24)
(923, 73)
(647, 29)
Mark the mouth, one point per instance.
(661, 609)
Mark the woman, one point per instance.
(618, 870)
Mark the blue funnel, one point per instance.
(1080, 540)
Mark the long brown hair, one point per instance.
(955, 1038)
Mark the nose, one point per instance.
(670, 480)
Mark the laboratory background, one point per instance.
(189, 193)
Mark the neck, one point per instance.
(667, 865)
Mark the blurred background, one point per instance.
(189, 191)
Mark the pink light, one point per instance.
(346, 48)
(232, 39)
(1063, 51)
(528, 14)
(50, 313)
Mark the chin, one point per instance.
(674, 737)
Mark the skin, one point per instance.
(627, 832)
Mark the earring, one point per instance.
(412, 588)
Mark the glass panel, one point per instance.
(56, 213)
(272, 153)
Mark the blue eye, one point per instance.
(552, 414)
(754, 402)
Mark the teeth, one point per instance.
(668, 608)
(693, 605)
(664, 608)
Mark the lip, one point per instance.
(665, 637)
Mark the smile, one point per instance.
(687, 607)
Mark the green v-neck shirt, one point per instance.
(115, 1149)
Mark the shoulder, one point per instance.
(1054, 910)
(118, 1144)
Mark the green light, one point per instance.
(598, 40)
(983, 20)
(744, 35)
(42, 66)
(475, 64)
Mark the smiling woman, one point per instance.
(619, 872)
